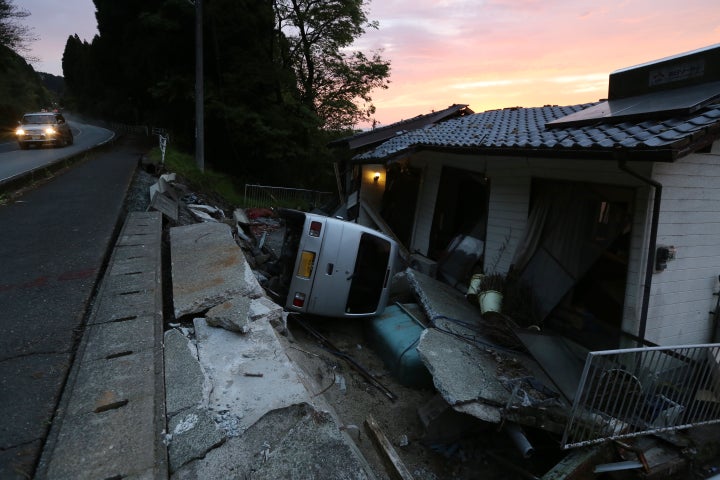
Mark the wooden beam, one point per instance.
(387, 452)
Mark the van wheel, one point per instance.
(23, 146)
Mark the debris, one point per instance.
(206, 213)
(442, 423)
(353, 363)
(617, 466)
(163, 198)
(169, 177)
(304, 351)
(165, 205)
(519, 439)
(340, 382)
(190, 198)
(511, 466)
(390, 456)
(248, 374)
(326, 388)
(255, 213)
(240, 217)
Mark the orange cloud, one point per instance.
(502, 53)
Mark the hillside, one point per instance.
(21, 88)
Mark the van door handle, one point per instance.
(330, 268)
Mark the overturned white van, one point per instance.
(332, 267)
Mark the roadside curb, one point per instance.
(111, 419)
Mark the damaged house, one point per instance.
(606, 213)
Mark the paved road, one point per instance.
(53, 241)
(14, 162)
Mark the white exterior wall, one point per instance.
(682, 295)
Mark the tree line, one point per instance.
(21, 88)
(280, 80)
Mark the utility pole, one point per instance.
(199, 89)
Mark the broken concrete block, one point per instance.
(236, 314)
(233, 315)
(208, 268)
(202, 216)
(446, 356)
(192, 434)
(165, 205)
(441, 301)
(169, 177)
(264, 308)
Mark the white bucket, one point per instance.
(490, 301)
(474, 287)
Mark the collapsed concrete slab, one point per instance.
(250, 373)
(442, 303)
(208, 268)
(297, 442)
(256, 417)
(474, 375)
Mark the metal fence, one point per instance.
(637, 391)
(265, 196)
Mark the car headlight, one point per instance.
(50, 131)
(19, 132)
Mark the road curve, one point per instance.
(15, 162)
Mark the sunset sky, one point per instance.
(485, 53)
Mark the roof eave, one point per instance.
(613, 153)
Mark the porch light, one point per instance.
(376, 177)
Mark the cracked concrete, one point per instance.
(236, 405)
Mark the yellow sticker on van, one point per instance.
(306, 264)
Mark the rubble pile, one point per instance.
(483, 378)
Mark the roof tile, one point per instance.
(524, 128)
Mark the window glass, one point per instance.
(369, 275)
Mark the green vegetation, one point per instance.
(274, 96)
(183, 164)
(21, 88)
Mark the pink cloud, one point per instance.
(502, 53)
(53, 22)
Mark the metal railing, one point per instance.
(298, 198)
(638, 391)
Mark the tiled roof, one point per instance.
(381, 134)
(522, 131)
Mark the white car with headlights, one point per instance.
(43, 128)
